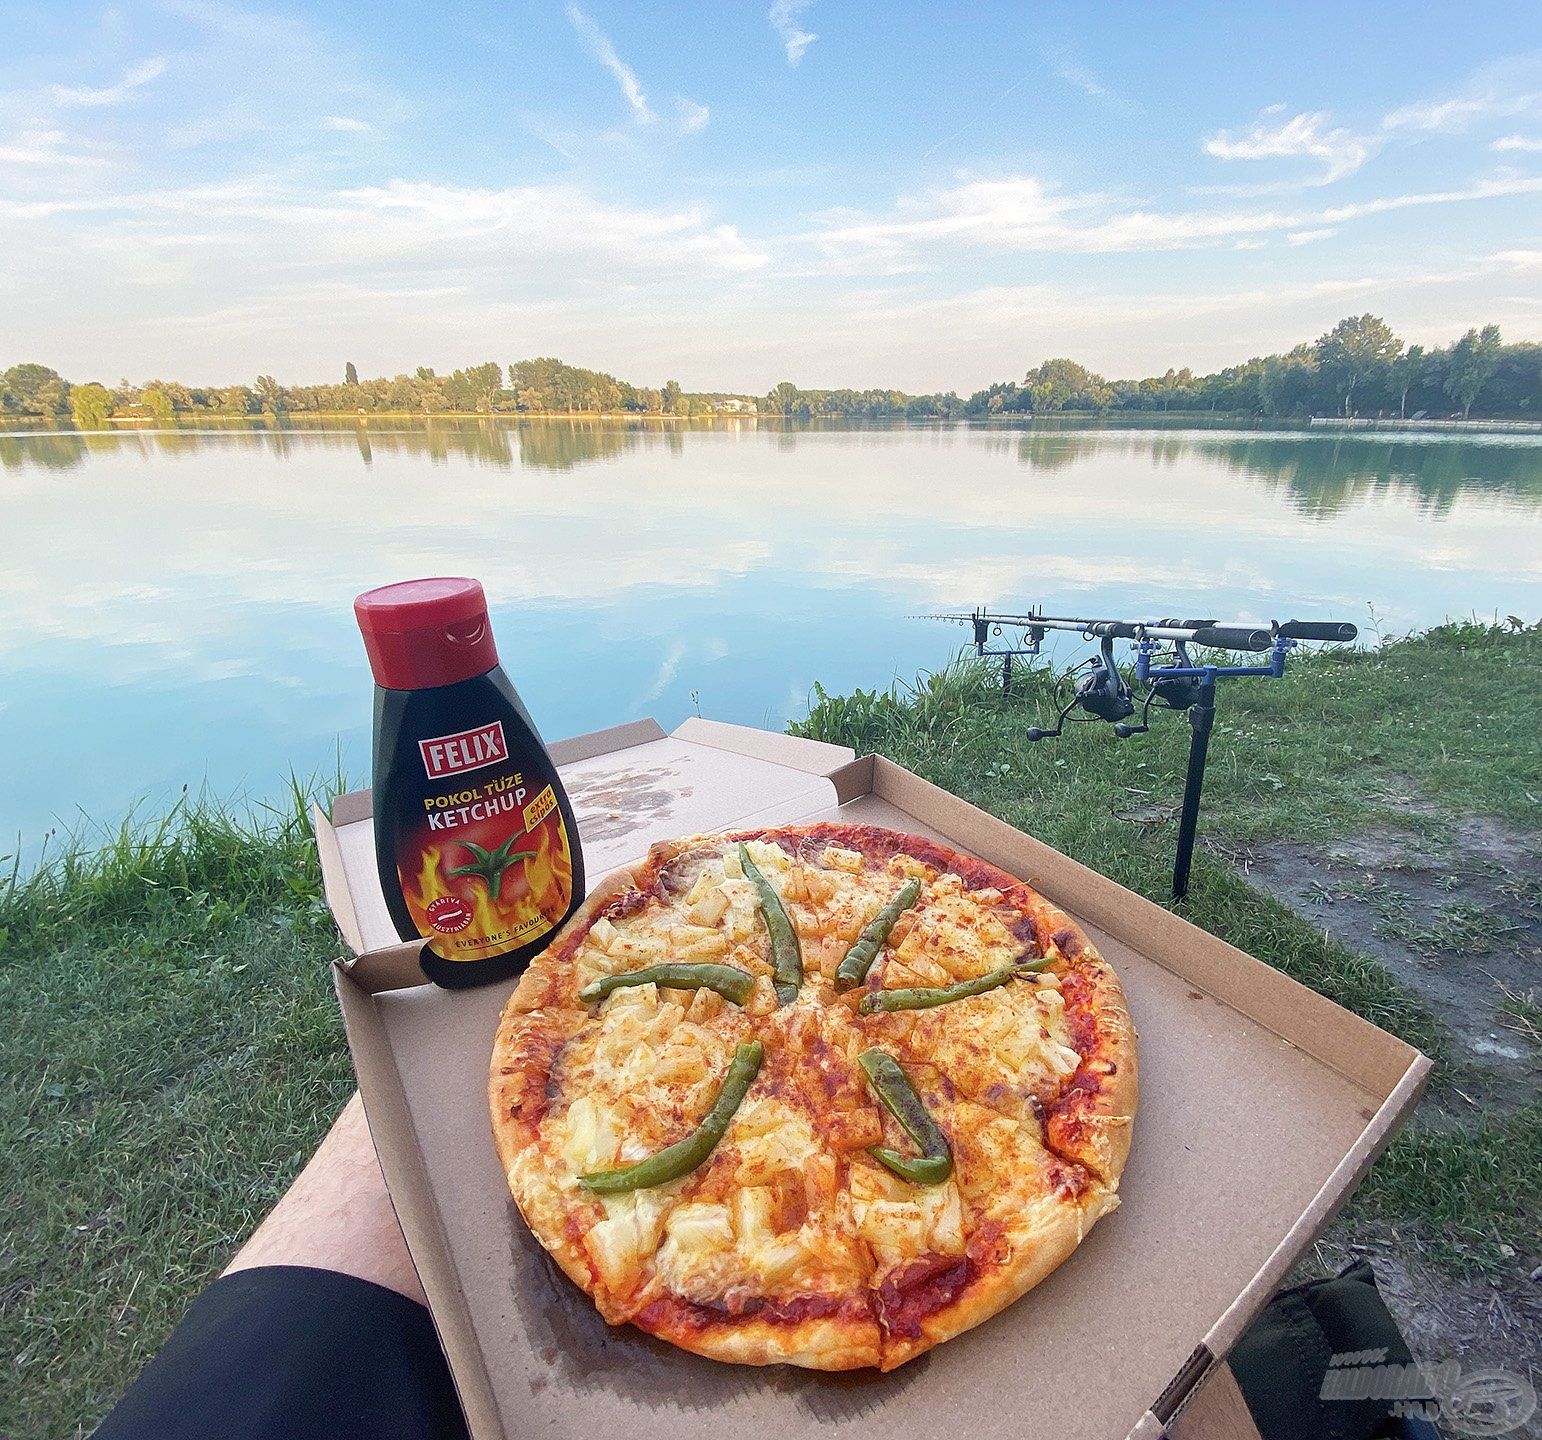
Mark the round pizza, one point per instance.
(820, 1095)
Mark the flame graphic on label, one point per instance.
(534, 895)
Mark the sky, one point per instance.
(927, 197)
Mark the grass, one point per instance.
(1409, 736)
(173, 1051)
(1473, 1194)
(173, 1054)
(1521, 1013)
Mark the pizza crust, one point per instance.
(1094, 1123)
(843, 1342)
(1095, 1126)
(993, 1289)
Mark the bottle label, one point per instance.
(483, 855)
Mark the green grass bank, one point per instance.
(173, 1052)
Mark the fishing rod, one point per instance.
(1239, 635)
(1172, 678)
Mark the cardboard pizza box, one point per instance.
(1262, 1104)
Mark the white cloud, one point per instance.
(52, 149)
(1434, 115)
(1508, 87)
(1456, 115)
(260, 298)
(784, 17)
(260, 82)
(691, 117)
(1478, 190)
(1527, 144)
(1308, 237)
(346, 124)
(133, 79)
(1078, 75)
(1304, 136)
(266, 248)
(598, 43)
(560, 221)
(1518, 259)
(1023, 214)
(663, 677)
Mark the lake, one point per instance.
(177, 605)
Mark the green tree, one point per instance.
(1358, 346)
(1271, 380)
(271, 395)
(672, 394)
(546, 385)
(1005, 397)
(1175, 385)
(1474, 359)
(1404, 371)
(1064, 385)
(34, 390)
(90, 405)
(350, 375)
(158, 402)
(484, 382)
(166, 398)
(1516, 385)
(782, 399)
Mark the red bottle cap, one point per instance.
(426, 632)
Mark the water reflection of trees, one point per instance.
(63, 451)
(1038, 451)
(567, 444)
(1319, 475)
(1324, 476)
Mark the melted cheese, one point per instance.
(1004, 1048)
(790, 1202)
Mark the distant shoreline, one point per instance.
(1113, 420)
(1338, 422)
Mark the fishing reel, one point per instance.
(1105, 694)
(1171, 691)
(1102, 692)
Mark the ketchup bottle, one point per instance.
(474, 836)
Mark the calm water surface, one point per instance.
(176, 606)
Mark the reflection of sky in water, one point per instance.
(178, 607)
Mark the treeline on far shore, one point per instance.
(1359, 367)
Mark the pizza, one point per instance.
(820, 1095)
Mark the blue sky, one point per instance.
(835, 193)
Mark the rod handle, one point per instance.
(1112, 629)
(1336, 630)
(1232, 637)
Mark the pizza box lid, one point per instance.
(1262, 1105)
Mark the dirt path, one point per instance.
(1454, 910)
